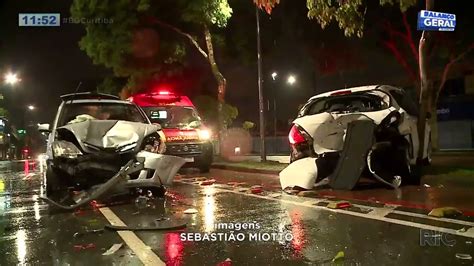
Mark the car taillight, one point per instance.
(295, 136)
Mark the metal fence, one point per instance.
(273, 145)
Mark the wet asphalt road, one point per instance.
(371, 234)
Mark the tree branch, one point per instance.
(447, 68)
(187, 35)
(409, 37)
(401, 59)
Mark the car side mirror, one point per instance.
(44, 128)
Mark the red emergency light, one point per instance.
(164, 93)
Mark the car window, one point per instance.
(174, 116)
(76, 112)
(355, 102)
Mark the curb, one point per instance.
(244, 170)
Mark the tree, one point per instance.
(208, 107)
(142, 41)
(350, 15)
(446, 50)
(4, 112)
(111, 85)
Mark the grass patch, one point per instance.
(268, 165)
(449, 176)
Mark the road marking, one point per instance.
(378, 213)
(143, 252)
(419, 215)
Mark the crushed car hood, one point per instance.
(329, 129)
(109, 134)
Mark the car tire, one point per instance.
(204, 167)
(53, 185)
(427, 161)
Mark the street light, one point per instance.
(274, 75)
(31, 107)
(11, 78)
(291, 79)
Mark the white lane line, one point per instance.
(448, 220)
(143, 252)
(378, 214)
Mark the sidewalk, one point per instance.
(444, 163)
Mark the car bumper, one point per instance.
(194, 154)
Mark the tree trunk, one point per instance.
(426, 86)
(220, 79)
(434, 126)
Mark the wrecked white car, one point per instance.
(98, 144)
(344, 134)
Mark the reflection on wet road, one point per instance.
(31, 233)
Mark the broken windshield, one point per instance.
(174, 116)
(77, 112)
(351, 103)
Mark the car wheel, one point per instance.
(414, 173)
(205, 167)
(427, 161)
(53, 185)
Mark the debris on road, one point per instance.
(256, 190)
(241, 189)
(307, 193)
(274, 195)
(156, 227)
(426, 185)
(445, 212)
(462, 256)
(190, 211)
(112, 249)
(95, 231)
(339, 256)
(208, 182)
(141, 202)
(84, 246)
(462, 230)
(339, 205)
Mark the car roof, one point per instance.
(98, 101)
(384, 88)
(88, 95)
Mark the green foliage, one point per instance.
(4, 112)
(207, 107)
(247, 125)
(348, 14)
(108, 43)
(110, 85)
(215, 12)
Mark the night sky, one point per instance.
(50, 62)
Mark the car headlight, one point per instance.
(65, 149)
(204, 134)
(153, 143)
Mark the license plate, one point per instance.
(189, 159)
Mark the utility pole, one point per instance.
(263, 154)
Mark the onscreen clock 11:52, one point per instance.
(39, 19)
